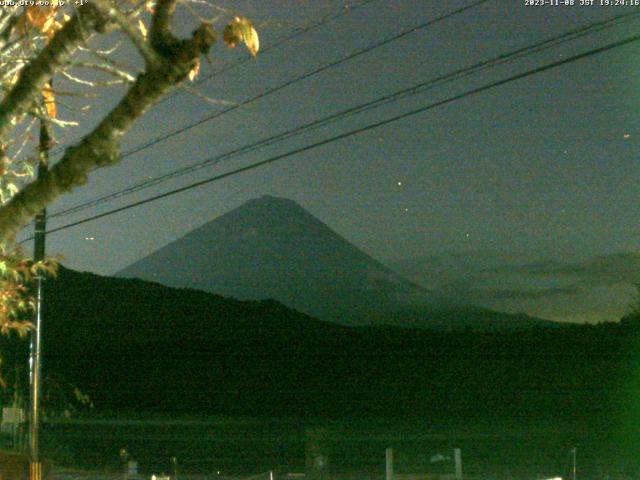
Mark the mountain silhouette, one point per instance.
(272, 248)
(137, 346)
(140, 347)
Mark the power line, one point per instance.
(323, 21)
(307, 75)
(288, 83)
(413, 90)
(356, 131)
(297, 33)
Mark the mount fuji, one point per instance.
(272, 248)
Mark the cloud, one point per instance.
(472, 291)
(599, 288)
(600, 270)
(537, 294)
(544, 267)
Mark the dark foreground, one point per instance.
(233, 448)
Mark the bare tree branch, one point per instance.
(101, 147)
(214, 101)
(37, 73)
(107, 68)
(161, 37)
(128, 27)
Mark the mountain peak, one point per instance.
(272, 248)
(271, 199)
(271, 205)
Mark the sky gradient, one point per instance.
(538, 170)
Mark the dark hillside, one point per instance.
(272, 247)
(134, 345)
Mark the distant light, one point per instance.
(399, 184)
(406, 209)
(90, 238)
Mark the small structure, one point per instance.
(12, 418)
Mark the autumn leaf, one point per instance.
(49, 101)
(40, 17)
(22, 328)
(193, 73)
(14, 78)
(142, 28)
(241, 30)
(43, 18)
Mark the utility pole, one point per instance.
(35, 360)
(389, 464)
(574, 451)
(457, 458)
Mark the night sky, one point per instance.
(520, 198)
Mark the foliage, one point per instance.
(261, 358)
(241, 30)
(16, 274)
(55, 61)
